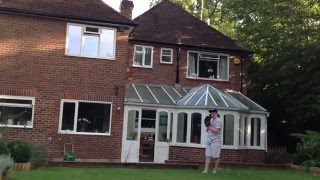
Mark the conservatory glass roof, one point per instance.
(205, 96)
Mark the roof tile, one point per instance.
(89, 10)
(166, 22)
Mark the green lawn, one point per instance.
(165, 174)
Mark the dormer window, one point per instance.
(166, 56)
(208, 65)
(91, 41)
(143, 56)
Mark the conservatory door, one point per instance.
(163, 135)
(131, 135)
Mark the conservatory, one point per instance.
(157, 117)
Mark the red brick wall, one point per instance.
(166, 73)
(227, 155)
(33, 63)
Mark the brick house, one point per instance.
(81, 74)
(179, 67)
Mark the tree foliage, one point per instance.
(284, 73)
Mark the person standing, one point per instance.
(214, 141)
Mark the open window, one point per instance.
(208, 65)
(85, 117)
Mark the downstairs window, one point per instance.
(85, 117)
(16, 111)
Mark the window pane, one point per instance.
(132, 126)
(223, 67)
(182, 127)
(15, 116)
(228, 129)
(15, 101)
(91, 45)
(171, 124)
(255, 132)
(208, 69)
(193, 64)
(148, 57)
(166, 58)
(74, 39)
(163, 124)
(245, 131)
(195, 128)
(166, 52)
(107, 43)
(93, 117)
(139, 48)
(148, 119)
(68, 116)
(138, 58)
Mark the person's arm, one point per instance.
(213, 129)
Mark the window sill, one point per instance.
(145, 67)
(83, 133)
(166, 63)
(91, 57)
(17, 126)
(207, 79)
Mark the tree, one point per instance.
(283, 74)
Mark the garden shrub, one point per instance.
(6, 164)
(309, 147)
(20, 151)
(3, 148)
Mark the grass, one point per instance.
(54, 173)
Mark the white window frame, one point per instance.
(82, 41)
(262, 132)
(32, 99)
(218, 60)
(143, 57)
(74, 131)
(171, 56)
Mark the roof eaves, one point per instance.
(134, 40)
(61, 16)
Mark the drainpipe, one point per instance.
(178, 62)
(178, 65)
(243, 57)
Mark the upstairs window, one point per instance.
(91, 41)
(166, 56)
(143, 56)
(208, 65)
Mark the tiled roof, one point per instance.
(166, 22)
(86, 10)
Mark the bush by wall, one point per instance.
(20, 151)
(3, 148)
(6, 164)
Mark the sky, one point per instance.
(140, 6)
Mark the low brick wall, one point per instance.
(186, 154)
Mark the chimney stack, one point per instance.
(126, 8)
